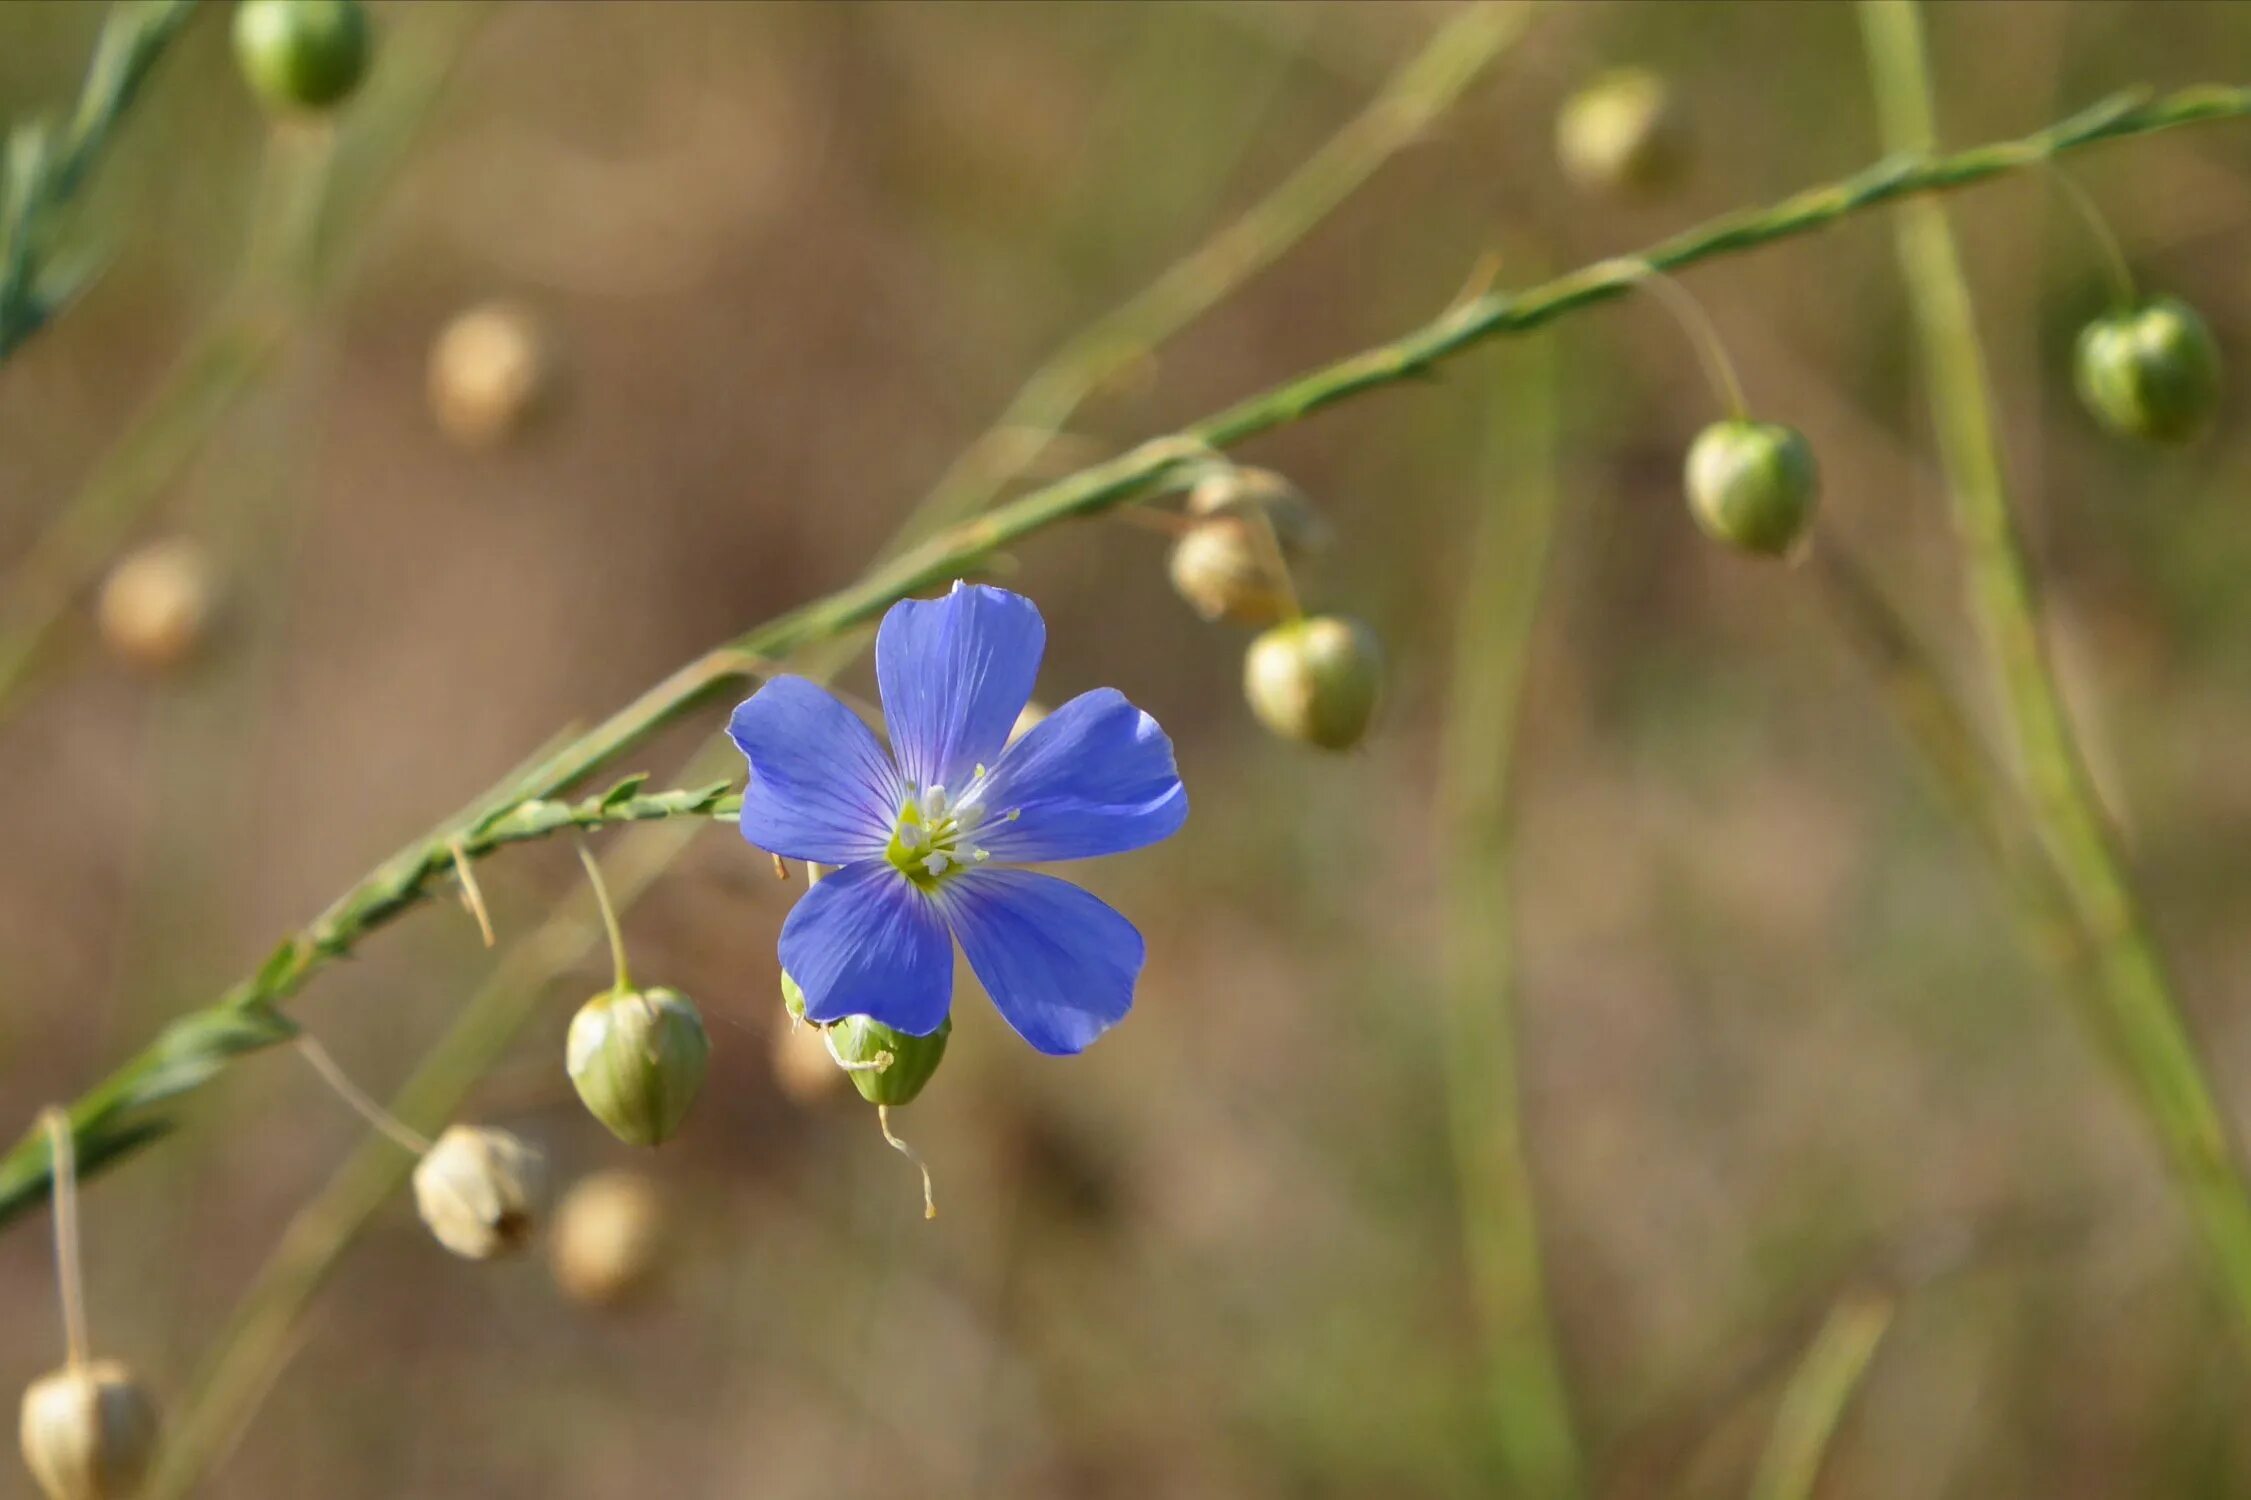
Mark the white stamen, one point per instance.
(936, 864)
(935, 803)
(913, 837)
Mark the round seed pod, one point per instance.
(2152, 373)
(609, 1238)
(493, 374)
(1317, 680)
(913, 1058)
(1752, 485)
(481, 1191)
(1224, 564)
(156, 606)
(1623, 133)
(87, 1432)
(637, 1059)
(301, 54)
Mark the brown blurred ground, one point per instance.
(1778, 1027)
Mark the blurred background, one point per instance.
(1780, 1040)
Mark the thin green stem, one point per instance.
(1819, 1390)
(1500, 599)
(2112, 253)
(2165, 1071)
(405, 1136)
(1705, 335)
(623, 980)
(117, 1115)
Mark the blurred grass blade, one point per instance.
(1500, 599)
(2147, 1029)
(1819, 1389)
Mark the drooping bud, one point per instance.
(609, 1237)
(637, 1059)
(492, 375)
(1624, 132)
(1250, 525)
(301, 54)
(864, 1043)
(2152, 373)
(1752, 485)
(481, 1191)
(1317, 680)
(156, 605)
(87, 1432)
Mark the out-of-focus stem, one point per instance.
(1819, 1389)
(1500, 599)
(2146, 1027)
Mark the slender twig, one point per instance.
(405, 1136)
(1499, 606)
(70, 1281)
(622, 980)
(2165, 1071)
(198, 1045)
(1819, 1389)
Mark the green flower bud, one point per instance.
(87, 1432)
(2153, 373)
(1752, 485)
(1224, 566)
(480, 1190)
(1317, 680)
(859, 1039)
(1623, 133)
(637, 1058)
(301, 54)
(609, 1238)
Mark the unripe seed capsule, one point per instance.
(1623, 133)
(492, 375)
(637, 1059)
(2152, 373)
(301, 54)
(480, 1190)
(1752, 485)
(609, 1238)
(156, 605)
(1317, 680)
(87, 1432)
(860, 1040)
(1250, 522)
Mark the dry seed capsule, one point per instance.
(1752, 485)
(301, 54)
(637, 1059)
(860, 1039)
(492, 375)
(609, 1237)
(1246, 519)
(1624, 132)
(480, 1190)
(2152, 373)
(87, 1432)
(1317, 680)
(156, 605)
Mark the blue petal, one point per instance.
(955, 672)
(1094, 777)
(1058, 962)
(867, 942)
(821, 787)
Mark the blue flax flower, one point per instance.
(929, 835)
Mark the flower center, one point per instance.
(935, 835)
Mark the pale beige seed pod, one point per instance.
(1027, 720)
(156, 606)
(1251, 524)
(480, 1190)
(1623, 133)
(609, 1238)
(87, 1432)
(493, 374)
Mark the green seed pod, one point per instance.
(87, 1432)
(913, 1058)
(480, 1190)
(1752, 485)
(1623, 133)
(609, 1238)
(637, 1058)
(1317, 680)
(301, 54)
(2153, 373)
